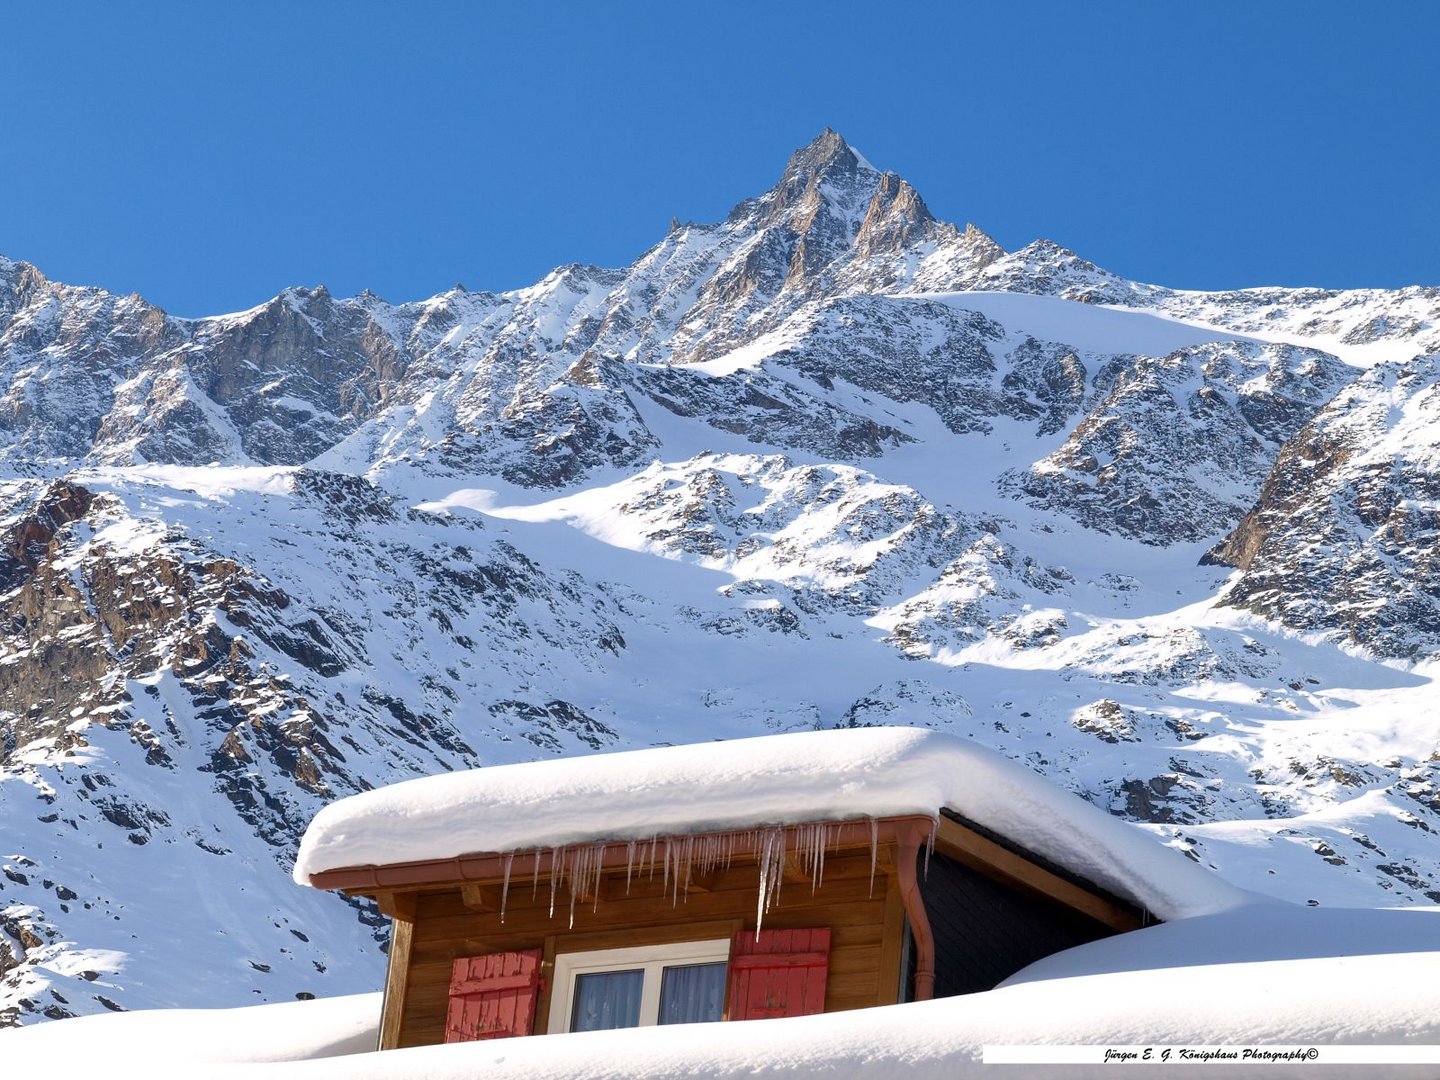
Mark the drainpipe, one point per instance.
(907, 856)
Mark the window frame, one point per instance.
(652, 959)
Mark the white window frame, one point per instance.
(652, 959)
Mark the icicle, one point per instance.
(806, 854)
(672, 871)
(770, 844)
(810, 852)
(760, 903)
(684, 855)
(682, 872)
(556, 861)
(821, 842)
(535, 880)
(816, 856)
(595, 884)
(930, 844)
(505, 885)
(874, 851)
(777, 879)
(577, 868)
(629, 864)
(577, 859)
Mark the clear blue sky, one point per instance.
(207, 155)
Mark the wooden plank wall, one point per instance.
(867, 928)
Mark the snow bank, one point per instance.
(292, 1031)
(1258, 976)
(1259, 933)
(777, 779)
(1365, 1000)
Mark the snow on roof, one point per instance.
(773, 780)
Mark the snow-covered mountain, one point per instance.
(830, 461)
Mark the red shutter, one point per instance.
(493, 997)
(782, 973)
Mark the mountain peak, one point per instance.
(828, 169)
(827, 151)
(827, 158)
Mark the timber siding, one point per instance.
(435, 925)
(985, 909)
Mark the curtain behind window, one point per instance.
(692, 993)
(607, 999)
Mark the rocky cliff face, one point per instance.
(830, 461)
(1342, 539)
(1179, 445)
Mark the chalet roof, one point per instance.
(773, 780)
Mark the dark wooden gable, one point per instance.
(994, 908)
(985, 931)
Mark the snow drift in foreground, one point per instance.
(773, 780)
(1273, 975)
(187, 1040)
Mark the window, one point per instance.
(760, 974)
(682, 983)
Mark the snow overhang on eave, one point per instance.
(681, 849)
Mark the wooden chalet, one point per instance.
(768, 919)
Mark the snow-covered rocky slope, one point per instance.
(828, 462)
